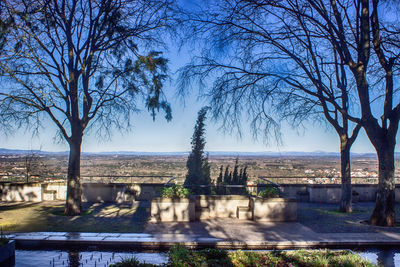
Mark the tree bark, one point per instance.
(73, 204)
(384, 213)
(346, 199)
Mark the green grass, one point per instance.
(341, 213)
(181, 257)
(98, 217)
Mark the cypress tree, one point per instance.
(226, 175)
(220, 180)
(197, 163)
(235, 176)
(220, 176)
(243, 179)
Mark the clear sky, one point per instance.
(162, 136)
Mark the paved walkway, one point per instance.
(221, 233)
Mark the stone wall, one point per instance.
(91, 192)
(219, 206)
(120, 193)
(331, 193)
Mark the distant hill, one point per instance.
(4, 151)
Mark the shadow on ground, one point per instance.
(325, 218)
(96, 217)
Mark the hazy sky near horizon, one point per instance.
(160, 136)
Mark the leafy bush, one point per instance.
(175, 191)
(269, 192)
(131, 262)
(180, 256)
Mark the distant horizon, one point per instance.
(213, 152)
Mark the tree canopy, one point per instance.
(83, 65)
(299, 59)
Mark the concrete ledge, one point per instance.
(192, 241)
(171, 200)
(274, 199)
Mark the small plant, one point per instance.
(131, 262)
(178, 256)
(269, 192)
(175, 191)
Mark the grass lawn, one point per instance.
(96, 217)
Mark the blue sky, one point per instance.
(162, 136)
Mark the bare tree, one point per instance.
(315, 50)
(85, 65)
(272, 65)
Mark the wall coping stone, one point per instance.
(222, 197)
(274, 199)
(173, 200)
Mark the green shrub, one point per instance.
(179, 256)
(269, 192)
(131, 262)
(175, 191)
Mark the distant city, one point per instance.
(150, 167)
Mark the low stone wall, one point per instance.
(274, 209)
(91, 192)
(31, 192)
(172, 210)
(204, 207)
(331, 193)
(119, 193)
(219, 206)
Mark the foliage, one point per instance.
(336, 61)
(175, 191)
(269, 192)
(220, 176)
(131, 262)
(82, 65)
(239, 176)
(180, 256)
(197, 163)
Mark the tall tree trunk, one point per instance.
(73, 204)
(346, 199)
(384, 214)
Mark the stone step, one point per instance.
(244, 213)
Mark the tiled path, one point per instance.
(222, 233)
